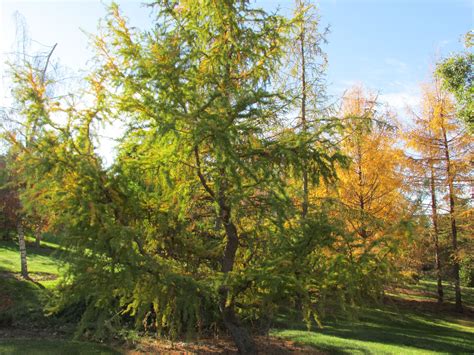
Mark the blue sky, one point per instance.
(386, 45)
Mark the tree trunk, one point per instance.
(242, 338)
(434, 218)
(37, 238)
(362, 231)
(454, 232)
(21, 243)
(303, 119)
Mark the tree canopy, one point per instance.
(235, 193)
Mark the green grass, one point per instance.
(40, 260)
(51, 347)
(382, 331)
(429, 290)
(20, 300)
(23, 301)
(410, 324)
(405, 326)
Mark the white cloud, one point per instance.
(399, 65)
(401, 102)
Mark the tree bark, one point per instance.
(37, 238)
(242, 338)
(22, 245)
(434, 219)
(454, 232)
(363, 231)
(240, 335)
(303, 119)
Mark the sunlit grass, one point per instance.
(386, 329)
(343, 345)
(393, 329)
(39, 260)
(409, 335)
(23, 301)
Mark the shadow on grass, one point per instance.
(378, 328)
(449, 294)
(47, 347)
(409, 332)
(10, 275)
(44, 262)
(31, 249)
(21, 299)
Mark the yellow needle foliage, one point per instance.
(370, 194)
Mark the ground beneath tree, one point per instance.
(33, 276)
(265, 345)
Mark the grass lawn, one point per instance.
(427, 290)
(408, 324)
(382, 331)
(47, 347)
(22, 302)
(40, 260)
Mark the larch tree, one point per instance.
(371, 192)
(303, 77)
(190, 227)
(427, 167)
(440, 136)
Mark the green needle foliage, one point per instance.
(194, 226)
